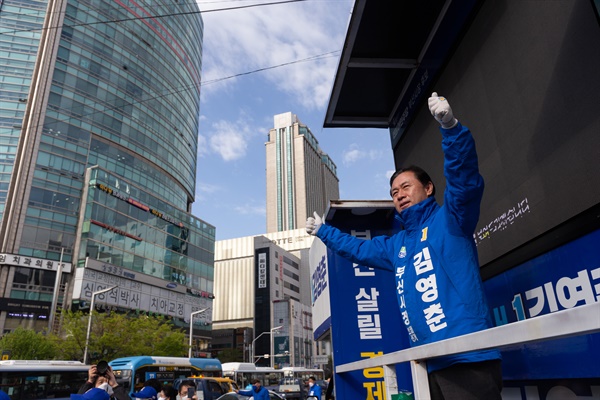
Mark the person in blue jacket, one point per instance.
(314, 390)
(258, 391)
(435, 262)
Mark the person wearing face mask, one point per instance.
(106, 382)
(168, 392)
(314, 390)
(258, 391)
(183, 390)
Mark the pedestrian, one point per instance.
(314, 390)
(147, 393)
(105, 380)
(435, 262)
(258, 392)
(154, 383)
(185, 388)
(168, 392)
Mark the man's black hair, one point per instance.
(188, 382)
(420, 174)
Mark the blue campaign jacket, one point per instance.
(262, 394)
(434, 257)
(315, 391)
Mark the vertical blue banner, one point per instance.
(365, 317)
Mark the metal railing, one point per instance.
(577, 321)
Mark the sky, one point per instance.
(258, 62)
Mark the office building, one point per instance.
(301, 178)
(262, 282)
(98, 144)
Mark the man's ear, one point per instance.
(429, 188)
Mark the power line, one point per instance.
(109, 107)
(189, 87)
(323, 55)
(153, 16)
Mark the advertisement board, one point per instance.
(136, 294)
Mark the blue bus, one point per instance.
(132, 372)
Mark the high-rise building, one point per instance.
(263, 282)
(99, 116)
(301, 178)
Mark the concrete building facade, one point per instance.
(301, 178)
(254, 277)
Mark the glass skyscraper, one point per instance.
(99, 114)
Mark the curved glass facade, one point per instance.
(21, 25)
(111, 88)
(131, 228)
(125, 96)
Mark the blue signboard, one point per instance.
(566, 277)
(365, 317)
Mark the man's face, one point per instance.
(183, 390)
(407, 191)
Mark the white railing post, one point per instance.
(391, 382)
(420, 379)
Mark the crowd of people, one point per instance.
(102, 385)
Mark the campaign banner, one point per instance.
(566, 277)
(365, 317)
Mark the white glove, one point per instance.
(313, 224)
(441, 111)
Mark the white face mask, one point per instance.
(310, 384)
(106, 387)
(162, 398)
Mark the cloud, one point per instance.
(204, 187)
(202, 146)
(240, 41)
(247, 209)
(228, 140)
(355, 153)
(206, 190)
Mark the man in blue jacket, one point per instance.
(435, 262)
(314, 390)
(258, 391)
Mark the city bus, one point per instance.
(132, 372)
(244, 373)
(303, 373)
(35, 379)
